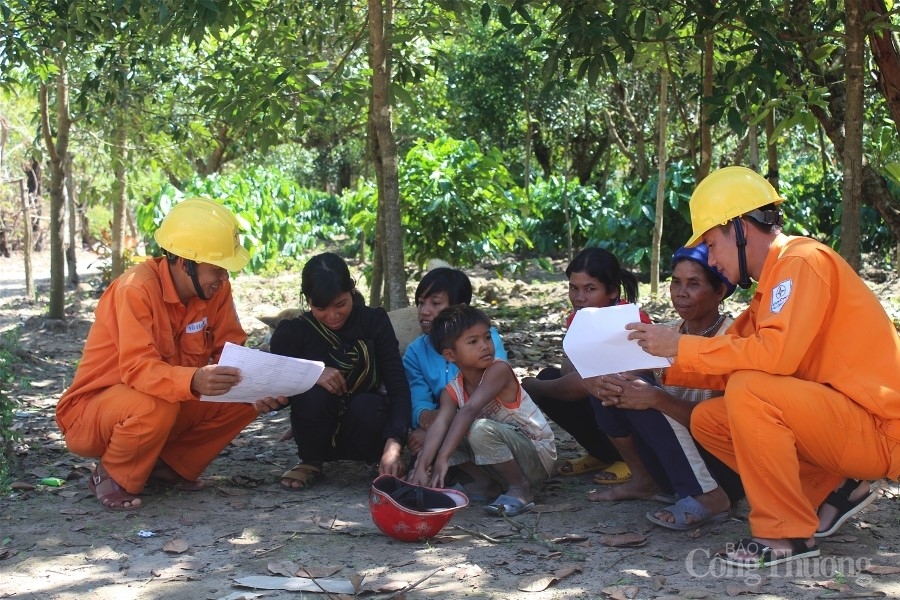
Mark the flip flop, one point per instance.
(681, 509)
(507, 505)
(619, 469)
(580, 466)
(840, 499)
(764, 556)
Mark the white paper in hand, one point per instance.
(597, 342)
(264, 374)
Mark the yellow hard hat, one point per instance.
(725, 194)
(204, 231)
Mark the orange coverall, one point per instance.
(813, 389)
(131, 401)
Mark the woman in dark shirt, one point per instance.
(359, 408)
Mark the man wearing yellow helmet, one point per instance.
(812, 398)
(151, 352)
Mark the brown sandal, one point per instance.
(303, 473)
(110, 494)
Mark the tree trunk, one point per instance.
(661, 159)
(56, 152)
(119, 157)
(853, 135)
(26, 239)
(71, 217)
(380, 20)
(771, 150)
(705, 130)
(886, 56)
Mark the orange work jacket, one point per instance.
(812, 318)
(145, 338)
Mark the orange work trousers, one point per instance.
(129, 430)
(792, 442)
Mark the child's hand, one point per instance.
(418, 477)
(439, 472)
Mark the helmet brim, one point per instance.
(233, 263)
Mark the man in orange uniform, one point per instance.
(158, 329)
(813, 391)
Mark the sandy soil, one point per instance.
(57, 543)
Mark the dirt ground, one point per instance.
(57, 543)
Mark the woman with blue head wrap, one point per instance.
(640, 410)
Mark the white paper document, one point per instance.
(597, 342)
(264, 374)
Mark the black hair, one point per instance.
(444, 279)
(603, 266)
(451, 322)
(324, 277)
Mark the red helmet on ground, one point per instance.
(411, 513)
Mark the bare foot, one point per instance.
(634, 489)
(715, 501)
(166, 475)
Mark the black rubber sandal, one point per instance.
(840, 499)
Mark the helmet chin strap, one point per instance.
(741, 240)
(190, 267)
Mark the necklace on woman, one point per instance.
(709, 329)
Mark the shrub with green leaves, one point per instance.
(278, 218)
(459, 203)
(9, 343)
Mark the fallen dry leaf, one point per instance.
(881, 570)
(833, 585)
(21, 485)
(285, 568)
(565, 570)
(357, 580)
(621, 592)
(72, 511)
(176, 546)
(317, 572)
(537, 583)
(624, 540)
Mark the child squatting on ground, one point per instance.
(486, 423)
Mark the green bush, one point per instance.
(9, 343)
(278, 218)
(459, 203)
